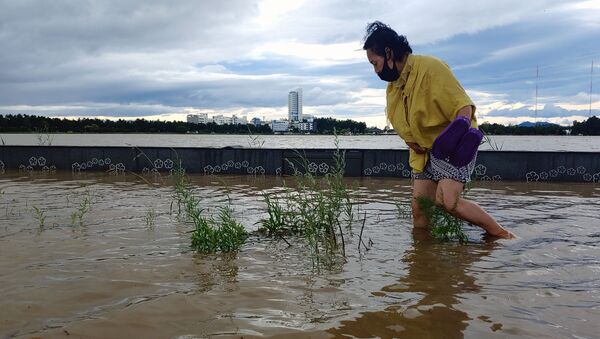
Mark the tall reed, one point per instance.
(315, 208)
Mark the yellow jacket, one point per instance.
(423, 101)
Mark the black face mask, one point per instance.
(388, 74)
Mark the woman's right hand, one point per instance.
(415, 147)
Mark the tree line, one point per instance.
(591, 126)
(14, 123)
(40, 124)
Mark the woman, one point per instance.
(431, 111)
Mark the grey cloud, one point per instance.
(549, 111)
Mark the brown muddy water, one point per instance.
(126, 270)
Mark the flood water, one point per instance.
(125, 270)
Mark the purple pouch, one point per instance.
(447, 142)
(467, 148)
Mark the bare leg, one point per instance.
(448, 196)
(422, 188)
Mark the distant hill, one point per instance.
(532, 124)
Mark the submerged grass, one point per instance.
(211, 234)
(444, 226)
(84, 206)
(39, 215)
(315, 208)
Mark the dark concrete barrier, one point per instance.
(491, 165)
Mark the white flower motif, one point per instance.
(230, 163)
(391, 168)
(94, 161)
(368, 171)
(561, 169)
(587, 177)
(238, 165)
(480, 170)
(553, 173)
(580, 169)
(383, 166)
(571, 171)
(41, 161)
(376, 169)
(323, 168)
(169, 164)
(497, 178)
(532, 176)
(89, 164)
(406, 173)
(544, 175)
(245, 163)
(158, 163)
(107, 161)
(100, 162)
(75, 166)
(33, 161)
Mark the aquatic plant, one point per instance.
(404, 209)
(44, 137)
(493, 144)
(255, 140)
(83, 208)
(210, 234)
(315, 208)
(39, 215)
(444, 226)
(150, 217)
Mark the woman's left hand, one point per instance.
(415, 147)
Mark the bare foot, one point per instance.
(504, 234)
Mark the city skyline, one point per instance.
(155, 61)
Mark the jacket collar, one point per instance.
(401, 81)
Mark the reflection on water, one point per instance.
(427, 297)
(114, 275)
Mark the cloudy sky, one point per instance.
(166, 59)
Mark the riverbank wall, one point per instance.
(491, 165)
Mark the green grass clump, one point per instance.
(210, 234)
(85, 204)
(40, 216)
(444, 226)
(223, 233)
(315, 208)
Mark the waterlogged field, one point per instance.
(97, 255)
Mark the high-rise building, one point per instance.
(295, 105)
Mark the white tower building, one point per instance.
(295, 105)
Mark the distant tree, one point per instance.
(32, 123)
(589, 127)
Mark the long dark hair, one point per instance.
(379, 36)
